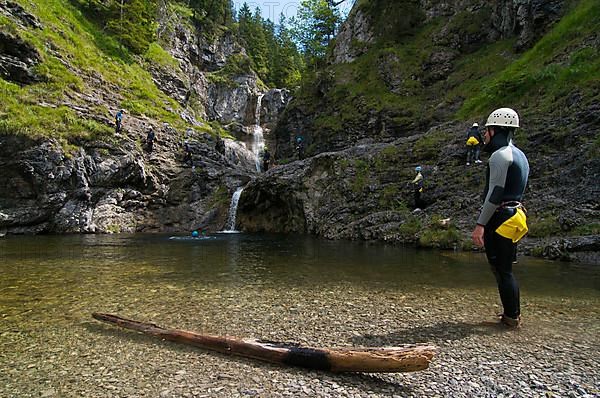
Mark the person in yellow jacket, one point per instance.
(474, 141)
(502, 221)
(417, 184)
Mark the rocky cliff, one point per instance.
(110, 182)
(404, 82)
(393, 98)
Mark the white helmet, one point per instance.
(503, 117)
(475, 125)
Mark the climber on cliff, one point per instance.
(417, 184)
(474, 141)
(220, 145)
(502, 221)
(300, 147)
(150, 136)
(119, 120)
(187, 158)
(266, 158)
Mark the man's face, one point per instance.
(488, 134)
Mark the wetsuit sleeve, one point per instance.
(418, 178)
(498, 164)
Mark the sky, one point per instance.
(272, 8)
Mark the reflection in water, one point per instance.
(45, 276)
(54, 265)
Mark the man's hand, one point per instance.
(477, 236)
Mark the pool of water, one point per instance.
(44, 274)
(285, 288)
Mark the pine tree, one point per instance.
(134, 22)
(314, 28)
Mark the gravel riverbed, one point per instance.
(51, 347)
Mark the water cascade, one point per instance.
(230, 226)
(257, 132)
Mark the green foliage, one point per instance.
(542, 226)
(212, 12)
(361, 177)
(410, 227)
(219, 198)
(441, 236)
(133, 22)
(275, 57)
(393, 20)
(314, 28)
(20, 114)
(587, 229)
(237, 64)
(429, 146)
(344, 94)
(157, 55)
(387, 158)
(113, 228)
(537, 76)
(390, 199)
(90, 53)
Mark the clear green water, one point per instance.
(46, 274)
(284, 288)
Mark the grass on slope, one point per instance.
(69, 42)
(559, 62)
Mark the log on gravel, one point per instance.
(408, 358)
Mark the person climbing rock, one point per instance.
(119, 121)
(300, 147)
(417, 184)
(187, 150)
(150, 136)
(220, 145)
(474, 141)
(502, 221)
(266, 159)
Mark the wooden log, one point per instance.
(409, 358)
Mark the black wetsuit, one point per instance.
(266, 160)
(118, 120)
(150, 140)
(506, 177)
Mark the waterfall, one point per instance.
(257, 132)
(230, 226)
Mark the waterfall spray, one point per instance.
(230, 226)
(257, 131)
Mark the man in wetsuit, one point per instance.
(501, 222)
(119, 120)
(417, 184)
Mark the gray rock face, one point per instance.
(228, 101)
(106, 188)
(233, 104)
(470, 23)
(363, 192)
(354, 38)
(17, 59)
(272, 105)
(18, 14)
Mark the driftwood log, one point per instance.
(409, 358)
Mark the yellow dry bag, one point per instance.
(515, 227)
(472, 141)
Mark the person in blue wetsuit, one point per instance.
(502, 220)
(119, 121)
